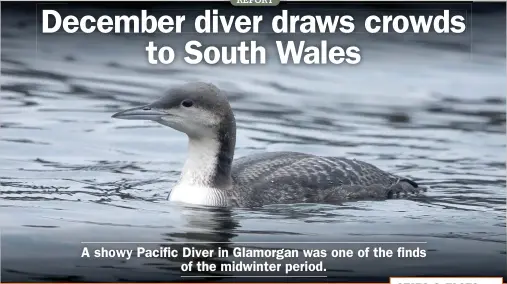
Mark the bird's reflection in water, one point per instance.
(206, 229)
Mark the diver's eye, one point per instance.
(187, 103)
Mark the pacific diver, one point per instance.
(211, 178)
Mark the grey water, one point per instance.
(431, 110)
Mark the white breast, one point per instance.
(196, 180)
(198, 195)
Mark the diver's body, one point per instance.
(210, 176)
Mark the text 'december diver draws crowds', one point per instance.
(291, 51)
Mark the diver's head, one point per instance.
(197, 109)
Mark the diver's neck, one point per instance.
(206, 176)
(208, 164)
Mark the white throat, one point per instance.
(195, 183)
